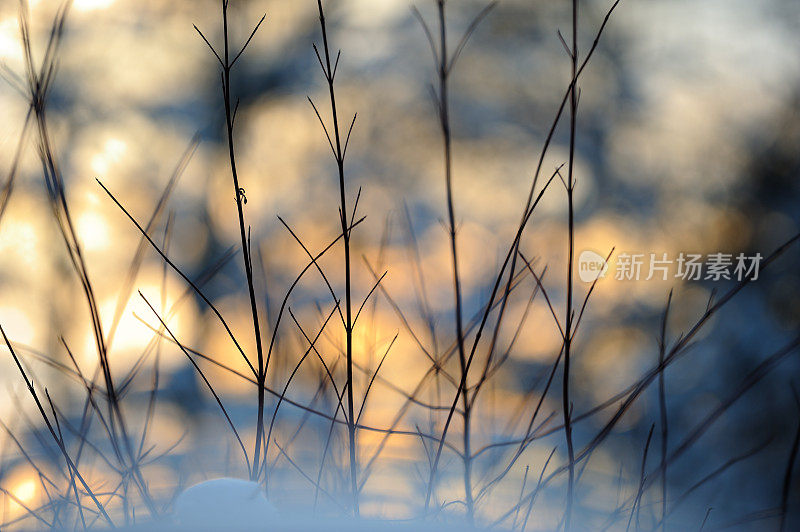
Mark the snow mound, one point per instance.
(224, 504)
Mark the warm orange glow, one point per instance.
(18, 324)
(24, 491)
(137, 324)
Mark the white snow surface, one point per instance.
(215, 504)
(229, 504)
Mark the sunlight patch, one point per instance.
(9, 39)
(93, 231)
(91, 5)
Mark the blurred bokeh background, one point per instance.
(688, 138)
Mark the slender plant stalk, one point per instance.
(39, 82)
(567, 403)
(662, 404)
(239, 193)
(447, 143)
(339, 147)
(509, 263)
(444, 65)
(637, 502)
(59, 441)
